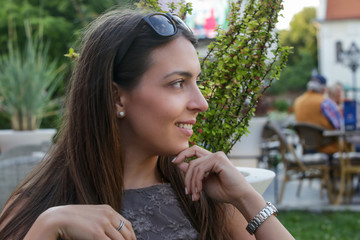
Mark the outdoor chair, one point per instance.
(349, 167)
(348, 161)
(312, 136)
(297, 166)
(312, 139)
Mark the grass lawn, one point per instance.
(322, 225)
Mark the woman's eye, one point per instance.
(178, 84)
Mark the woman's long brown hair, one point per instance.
(85, 165)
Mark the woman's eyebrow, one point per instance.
(181, 73)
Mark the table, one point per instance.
(348, 158)
(352, 136)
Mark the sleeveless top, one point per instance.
(155, 212)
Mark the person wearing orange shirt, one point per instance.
(315, 107)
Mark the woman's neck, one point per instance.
(141, 172)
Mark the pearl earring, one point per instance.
(121, 114)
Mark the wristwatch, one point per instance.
(264, 214)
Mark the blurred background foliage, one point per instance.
(302, 36)
(59, 23)
(56, 22)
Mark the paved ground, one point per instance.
(309, 198)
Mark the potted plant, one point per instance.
(28, 81)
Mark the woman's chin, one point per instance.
(180, 148)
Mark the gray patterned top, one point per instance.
(155, 213)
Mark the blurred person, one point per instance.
(119, 167)
(337, 94)
(316, 108)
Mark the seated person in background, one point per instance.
(315, 108)
(337, 94)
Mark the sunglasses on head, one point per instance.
(164, 24)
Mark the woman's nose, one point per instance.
(198, 102)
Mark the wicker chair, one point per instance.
(298, 166)
(349, 167)
(345, 163)
(312, 136)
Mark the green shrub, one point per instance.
(28, 80)
(241, 64)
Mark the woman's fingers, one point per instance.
(198, 171)
(196, 183)
(210, 171)
(191, 152)
(195, 170)
(91, 222)
(113, 233)
(127, 231)
(190, 181)
(123, 230)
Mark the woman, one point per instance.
(118, 167)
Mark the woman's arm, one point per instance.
(250, 206)
(78, 222)
(236, 223)
(218, 177)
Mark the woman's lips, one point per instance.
(186, 128)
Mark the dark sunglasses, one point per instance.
(164, 24)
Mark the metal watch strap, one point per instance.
(261, 217)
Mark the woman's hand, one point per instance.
(216, 175)
(213, 173)
(81, 222)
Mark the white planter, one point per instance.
(246, 151)
(10, 139)
(259, 178)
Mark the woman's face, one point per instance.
(162, 108)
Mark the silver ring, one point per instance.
(120, 225)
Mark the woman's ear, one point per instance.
(120, 100)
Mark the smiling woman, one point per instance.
(120, 169)
(167, 98)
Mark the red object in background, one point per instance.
(210, 23)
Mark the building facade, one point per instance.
(339, 43)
